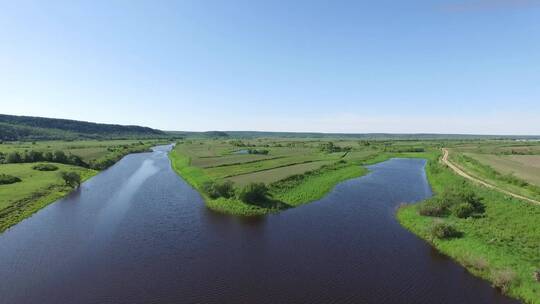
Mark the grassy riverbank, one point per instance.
(36, 190)
(501, 245)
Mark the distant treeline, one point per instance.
(32, 156)
(26, 128)
(61, 157)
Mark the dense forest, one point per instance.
(40, 128)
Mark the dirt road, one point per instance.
(481, 182)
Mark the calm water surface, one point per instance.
(137, 233)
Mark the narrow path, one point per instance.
(462, 173)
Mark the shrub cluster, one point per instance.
(254, 193)
(255, 151)
(37, 156)
(6, 179)
(72, 179)
(216, 190)
(45, 167)
(442, 230)
(329, 147)
(462, 202)
(116, 153)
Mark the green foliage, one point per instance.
(255, 151)
(8, 179)
(254, 193)
(45, 167)
(463, 210)
(442, 230)
(59, 157)
(461, 201)
(433, 207)
(215, 190)
(403, 149)
(72, 179)
(329, 147)
(13, 157)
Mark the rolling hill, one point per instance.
(39, 128)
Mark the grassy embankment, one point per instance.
(37, 189)
(501, 245)
(295, 171)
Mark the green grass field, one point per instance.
(506, 238)
(36, 190)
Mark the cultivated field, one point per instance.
(526, 167)
(511, 165)
(294, 170)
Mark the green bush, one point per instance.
(255, 151)
(13, 157)
(45, 167)
(254, 193)
(433, 207)
(463, 210)
(72, 179)
(215, 190)
(459, 201)
(8, 179)
(442, 230)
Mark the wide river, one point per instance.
(137, 233)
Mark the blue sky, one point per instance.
(327, 66)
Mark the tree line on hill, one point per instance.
(39, 128)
